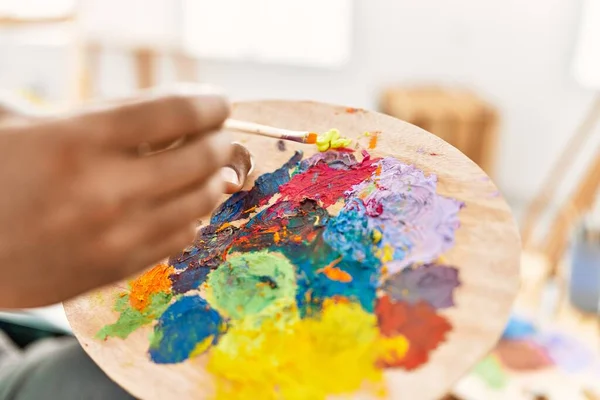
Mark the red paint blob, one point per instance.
(326, 184)
(418, 322)
(522, 355)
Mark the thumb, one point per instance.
(240, 166)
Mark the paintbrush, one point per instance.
(269, 131)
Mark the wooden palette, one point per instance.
(486, 254)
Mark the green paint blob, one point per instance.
(253, 286)
(131, 319)
(491, 372)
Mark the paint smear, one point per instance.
(325, 184)
(490, 371)
(335, 274)
(522, 355)
(418, 323)
(565, 351)
(131, 319)
(373, 138)
(331, 263)
(252, 286)
(416, 222)
(299, 359)
(184, 329)
(519, 328)
(434, 284)
(156, 280)
(281, 145)
(352, 110)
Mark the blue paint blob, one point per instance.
(185, 324)
(519, 328)
(238, 205)
(189, 279)
(314, 287)
(185, 260)
(349, 235)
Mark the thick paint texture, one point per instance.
(185, 325)
(434, 284)
(418, 323)
(309, 284)
(332, 139)
(417, 224)
(131, 319)
(252, 286)
(300, 360)
(325, 184)
(153, 281)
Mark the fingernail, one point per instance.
(230, 176)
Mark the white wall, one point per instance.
(515, 53)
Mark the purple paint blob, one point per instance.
(334, 159)
(434, 284)
(402, 203)
(565, 351)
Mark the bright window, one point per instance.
(307, 33)
(314, 33)
(31, 9)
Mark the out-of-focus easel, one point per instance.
(554, 243)
(86, 54)
(144, 61)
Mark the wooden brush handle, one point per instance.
(262, 130)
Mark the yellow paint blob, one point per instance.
(312, 358)
(332, 139)
(386, 254)
(393, 348)
(202, 346)
(377, 236)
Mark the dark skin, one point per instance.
(81, 208)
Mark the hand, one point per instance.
(80, 208)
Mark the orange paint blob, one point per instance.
(334, 273)
(153, 281)
(373, 140)
(312, 138)
(223, 227)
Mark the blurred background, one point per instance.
(512, 84)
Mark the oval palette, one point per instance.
(385, 270)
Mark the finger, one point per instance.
(162, 249)
(238, 169)
(167, 174)
(155, 222)
(156, 118)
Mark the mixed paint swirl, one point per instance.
(311, 284)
